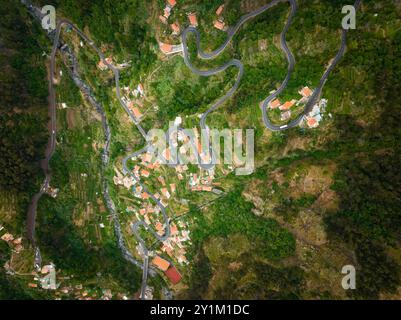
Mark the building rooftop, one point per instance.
(175, 27)
(161, 263)
(193, 19)
(166, 48)
(306, 92)
(136, 113)
(220, 9)
(173, 275)
(287, 105)
(275, 104)
(172, 3)
(219, 25)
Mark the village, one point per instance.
(175, 28)
(312, 119)
(49, 278)
(148, 170)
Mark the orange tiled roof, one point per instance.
(172, 3)
(145, 173)
(159, 226)
(287, 105)
(173, 275)
(220, 10)
(274, 104)
(161, 263)
(219, 25)
(306, 92)
(173, 229)
(166, 48)
(192, 19)
(166, 154)
(137, 113)
(312, 122)
(175, 27)
(165, 192)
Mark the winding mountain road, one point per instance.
(234, 62)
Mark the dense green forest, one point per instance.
(369, 182)
(23, 91)
(23, 134)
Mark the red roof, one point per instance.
(175, 27)
(220, 10)
(219, 25)
(166, 48)
(287, 105)
(274, 104)
(172, 2)
(173, 275)
(193, 20)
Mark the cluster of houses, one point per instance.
(14, 243)
(81, 294)
(169, 49)
(219, 22)
(175, 27)
(52, 192)
(102, 66)
(202, 182)
(46, 278)
(167, 11)
(175, 245)
(109, 61)
(132, 99)
(175, 248)
(313, 119)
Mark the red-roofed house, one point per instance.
(166, 154)
(172, 3)
(312, 123)
(145, 173)
(166, 48)
(220, 10)
(161, 263)
(219, 25)
(103, 66)
(192, 19)
(173, 275)
(163, 19)
(175, 27)
(165, 193)
(275, 104)
(287, 105)
(306, 92)
(173, 229)
(136, 113)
